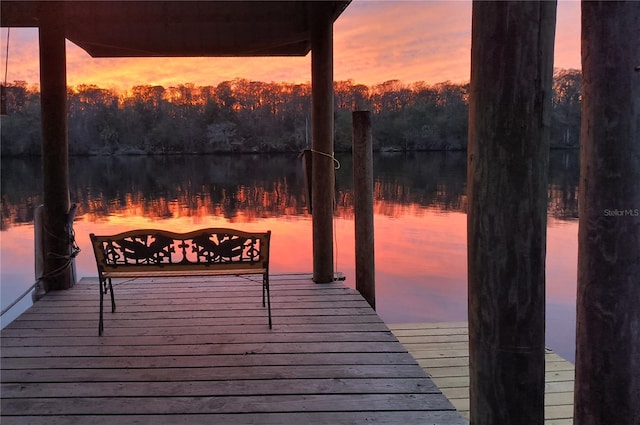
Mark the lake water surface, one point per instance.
(419, 207)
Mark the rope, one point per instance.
(124, 281)
(27, 292)
(6, 62)
(337, 166)
(335, 230)
(52, 273)
(75, 250)
(335, 244)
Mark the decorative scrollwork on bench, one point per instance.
(205, 248)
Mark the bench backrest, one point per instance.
(150, 250)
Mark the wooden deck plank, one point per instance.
(227, 373)
(72, 319)
(162, 326)
(441, 349)
(432, 325)
(303, 359)
(173, 405)
(219, 388)
(293, 333)
(200, 352)
(200, 349)
(206, 302)
(245, 305)
(238, 291)
(315, 418)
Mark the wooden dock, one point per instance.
(200, 352)
(442, 349)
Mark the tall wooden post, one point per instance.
(363, 205)
(322, 142)
(607, 385)
(55, 160)
(510, 102)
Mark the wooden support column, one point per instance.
(363, 205)
(323, 180)
(55, 160)
(607, 385)
(509, 116)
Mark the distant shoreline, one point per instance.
(243, 153)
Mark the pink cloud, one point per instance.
(567, 48)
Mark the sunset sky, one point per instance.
(374, 41)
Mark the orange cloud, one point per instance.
(374, 41)
(24, 63)
(410, 41)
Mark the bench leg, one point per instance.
(103, 285)
(100, 322)
(113, 300)
(265, 287)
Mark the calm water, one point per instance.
(420, 222)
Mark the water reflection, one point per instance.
(256, 186)
(420, 221)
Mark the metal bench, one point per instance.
(160, 253)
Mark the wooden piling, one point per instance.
(363, 205)
(323, 174)
(38, 246)
(510, 101)
(607, 385)
(55, 160)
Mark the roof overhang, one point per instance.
(179, 28)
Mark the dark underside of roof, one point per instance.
(178, 28)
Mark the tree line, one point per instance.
(252, 116)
